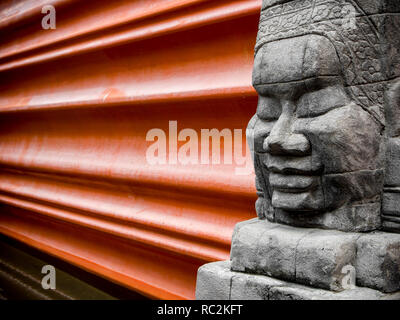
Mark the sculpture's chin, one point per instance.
(309, 201)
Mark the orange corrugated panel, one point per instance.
(76, 106)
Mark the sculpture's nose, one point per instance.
(282, 140)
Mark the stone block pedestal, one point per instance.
(272, 261)
(216, 281)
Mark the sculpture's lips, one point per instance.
(298, 202)
(292, 183)
(292, 165)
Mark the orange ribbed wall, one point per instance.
(76, 104)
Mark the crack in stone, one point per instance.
(230, 288)
(295, 252)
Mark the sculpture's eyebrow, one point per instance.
(296, 87)
(319, 82)
(282, 89)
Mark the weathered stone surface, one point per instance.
(321, 257)
(309, 56)
(390, 226)
(214, 281)
(266, 248)
(250, 287)
(356, 218)
(368, 6)
(388, 26)
(392, 174)
(379, 6)
(392, 113)
(316, 257)
(244, 248)
(391, 204)
(378, 261)
(296, 292)
(256, 287)
(310, 256)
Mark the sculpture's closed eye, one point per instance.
(316, 103)
(268, 108)
(311, 103)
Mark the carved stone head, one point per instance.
(322, 70)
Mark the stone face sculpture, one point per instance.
(321, 71)
(326, 148)
(317, 149)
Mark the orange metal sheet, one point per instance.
(76, 105)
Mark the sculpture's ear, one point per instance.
(250, 134)
(393, 110)
(264, 208)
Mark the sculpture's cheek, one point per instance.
(346, 139)
(360, 186)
